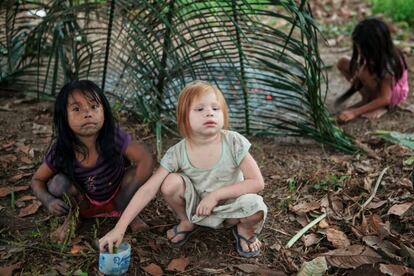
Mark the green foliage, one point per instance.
(145, 52)
(398, 10)
(333, 182)
(292, 184)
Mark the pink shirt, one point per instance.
(400, 90)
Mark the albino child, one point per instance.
(209, 178)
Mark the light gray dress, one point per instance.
(200, 182)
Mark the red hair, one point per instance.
(190, 92)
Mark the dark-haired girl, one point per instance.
(91, 158)
(377, 69)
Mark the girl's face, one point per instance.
(206, 116)
(85, 115)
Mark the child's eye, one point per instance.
(95, 106)
(216, 108)
(75, 109)
(199, 109)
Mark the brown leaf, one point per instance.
(26, 160)
(8, 190)
(352, 256)
(31, 209)
(375, 205)
(248, 268)
(8, 270)
(310, 239)
(25, 149)
(400, 209)
(26, 198)
(396, 270)
(77, 248)
(337, 238)
(63, 268)
(8, 145)
(386, 247)
(153, 269)
(17, 177)
(178, 264)
(378, 227)
(323, 224)
(305, 207)
(8, 158)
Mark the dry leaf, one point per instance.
(368, 183)
(8, 158)
(26, 198)
(323, 224)
(26, 160)
(375, 205)
(77, 248)
(248, 268)
(17, 177)
(8, 270)
(8, 190)
(30, 209)
(178, 264)
(25, 149)
(352, 256)
(310, 239)
(317, 266)
(400, 209)
(153, 269)
(386, 247)
(396, 270)
(378, 227)
(305, 207)
(337, 238)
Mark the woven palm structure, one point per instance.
(262, 54)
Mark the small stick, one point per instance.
(304, 230)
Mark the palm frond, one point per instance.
(145, 52)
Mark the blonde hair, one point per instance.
(190, 92)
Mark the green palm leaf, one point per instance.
(144, 52)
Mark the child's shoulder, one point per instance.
(231, 135)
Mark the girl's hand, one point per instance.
(56, 206)
(346, 116)
(206, 205)
(113, 237)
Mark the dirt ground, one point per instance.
(303, 181)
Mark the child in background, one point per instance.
(90, 159)
(377, 69)
(209, 178)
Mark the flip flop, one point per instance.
(247, 254)
(186, 236)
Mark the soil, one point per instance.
(303, 172)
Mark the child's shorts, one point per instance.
(105, 208)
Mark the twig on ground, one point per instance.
(304, 230)
(374, 192)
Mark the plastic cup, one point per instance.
(116, 263)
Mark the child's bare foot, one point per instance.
(180, 233)
(138, 225)
(376, 114)
(247, 244)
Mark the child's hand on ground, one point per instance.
(346, 116)
(206, 205)
(113, 237)
(57, 206)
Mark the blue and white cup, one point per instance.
(116, 263)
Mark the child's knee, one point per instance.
(343, 64)
(255, 218)
(59, 185)
(172, 184)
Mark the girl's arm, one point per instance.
(383, 100)
(141, 198)
(141, 156)
(252, 183)
(55, 205)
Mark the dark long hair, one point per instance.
(66, 143)
(372, 37)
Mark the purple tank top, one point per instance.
(101, 180)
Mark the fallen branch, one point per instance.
(374, 192)
(304, 230)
